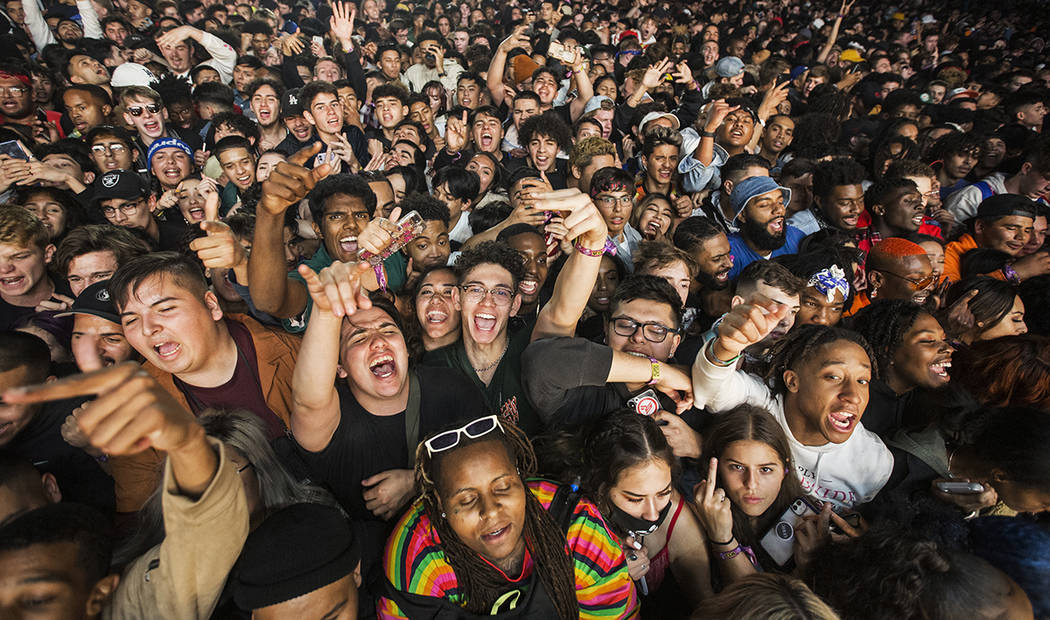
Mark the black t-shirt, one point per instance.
(80, 478)
(365, 444)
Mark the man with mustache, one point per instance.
(760, 205)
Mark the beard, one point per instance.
(709, 283)
(758, 235)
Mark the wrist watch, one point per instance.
(654, 365)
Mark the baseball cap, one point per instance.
(166, 143)
(132, 74)
(291, 105)
(728, 67)
(1005, 205)
(595, 102)
(96, 301)
(751, 188)
(851, 55)
(652, 116)
(123, 184)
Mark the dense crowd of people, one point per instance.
(528, 309)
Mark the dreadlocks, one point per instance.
(481, 584)
(883, 324)
(802, 343)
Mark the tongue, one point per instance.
(167, 348)
(384, 369)
(349, 247)
(484, 324)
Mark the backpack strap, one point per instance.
(412, 418)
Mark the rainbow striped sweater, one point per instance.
(414, 561)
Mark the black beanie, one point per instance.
(299, 549)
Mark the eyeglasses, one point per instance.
(17, 91)
(128, 208)
(136, 110)
(108, 149)
(450, 439)
(476, 293)
(653, 332)
(916, 285)
(612, 201)
(242, 469)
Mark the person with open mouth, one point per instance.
(356, 396)
(820, 380)
(25, 251)
(894, 209)
(533, 250)
(170, 160)
(914, 357)
(435, 307)
(760, 205)
(897, 269)
(484, 515)
(546, 137)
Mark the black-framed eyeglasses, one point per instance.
(653, 332)
(916, 285)
(244, 468)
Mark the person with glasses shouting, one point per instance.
(124, 199)
(360, 406)
(490, 274)
(488, 538)
(144, 110)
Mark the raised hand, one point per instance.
(386, 492)
(176, 35)
(379, 233)
(456, 133)
(210, 191)
(684, 441)
(57, 303)
(772, 100)
(684, 75)
(654, 75)
(337, 288)
(717, 113)
(747, 324)
(582, 221)
(220, 249)
(713, 507)
(342, 21)
(132, 411)
(290, 182)
(518, 38)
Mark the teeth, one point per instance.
(489, 317)
(381, 360)
(349, 239)
(436, 316)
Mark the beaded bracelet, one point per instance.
(609, 248)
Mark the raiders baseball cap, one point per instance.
(123, 184)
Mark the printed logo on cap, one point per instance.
(110, 179)
(647, 405)
(102, 295)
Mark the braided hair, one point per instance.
(480, 583)
(883, 324)
(802, 343)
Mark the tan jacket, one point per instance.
(183, 576)
(136, 477)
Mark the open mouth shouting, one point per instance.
(842, 421)
(776, 226)
(172, 174)
(12, 283)
(151, 127)
(383, 367)
(485, 141)
(348, 245)
(529, 286)
(940, 368)
(485, 322)
(167, 351)
(196, 214)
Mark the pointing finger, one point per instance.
(87, 384)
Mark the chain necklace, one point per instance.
(495, 363)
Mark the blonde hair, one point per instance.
(769, 596)
(19, 226)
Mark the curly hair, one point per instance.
(883, 325)
(802, 343)
(492, 252)
(905, 577)
(480, 583)
(546, 124)
(347, 184)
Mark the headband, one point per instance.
(7, 75)
(829, 280)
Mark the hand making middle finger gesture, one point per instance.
(713, 508)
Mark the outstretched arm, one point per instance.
(494, 77)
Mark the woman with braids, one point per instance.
(817, 390)
(913, 356)
(487, 539)
(623, 462)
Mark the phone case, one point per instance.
(779, 541)
(645, 403)
(408, 228)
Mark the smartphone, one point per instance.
(318, 40)
(559, 52)
(779, 541)
(959, 487)
(409, 227)
(645, 403)
(783, 77)
(326, 157)
(12, 149)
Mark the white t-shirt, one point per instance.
(845, 474)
